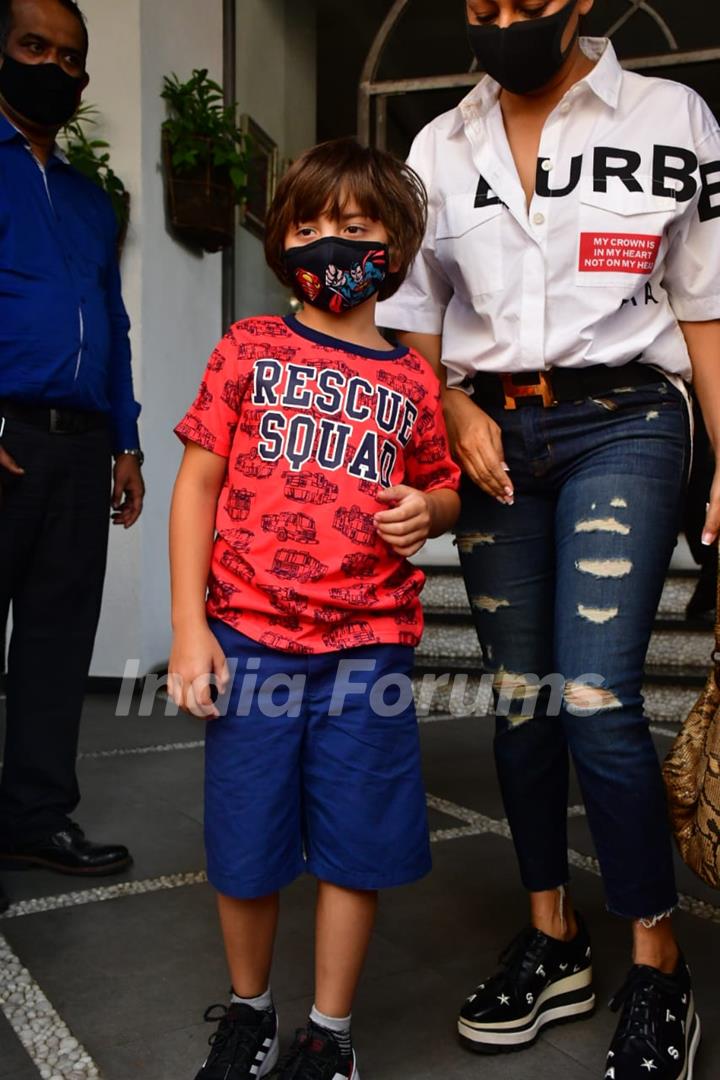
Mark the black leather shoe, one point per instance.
(541, 981)
(68, 852)
(659, 1030)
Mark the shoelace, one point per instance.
(313, 1069)
(232, 1038)
(519, 948)
(523, 952)
(640, 999)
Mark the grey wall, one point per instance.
(277, 87)
(173, 295)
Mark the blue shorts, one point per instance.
(314, 765)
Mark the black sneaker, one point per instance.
(245, 1045)
(659, 1031)
(316, 1055)
(541, 981)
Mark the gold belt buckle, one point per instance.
(542, 388)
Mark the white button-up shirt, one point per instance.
(621, 239)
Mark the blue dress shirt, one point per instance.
(63, 325)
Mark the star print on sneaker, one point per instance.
(245, 1045)
(316, 1055)
(541, 981)
(659, 1031)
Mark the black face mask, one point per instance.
(42, 93)
(525, 56)
(335, 274)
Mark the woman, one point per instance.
(568, 287)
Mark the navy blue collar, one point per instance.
(8, 133)
(299, 328)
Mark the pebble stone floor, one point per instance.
(110, 979)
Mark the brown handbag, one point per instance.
(692, 778)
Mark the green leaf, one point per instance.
(82, 153)
(201, 129)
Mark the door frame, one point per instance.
(374, 93)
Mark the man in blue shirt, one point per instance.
(66, 408)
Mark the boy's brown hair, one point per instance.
(326, 177)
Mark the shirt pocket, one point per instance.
(621, 234)
(468, 245)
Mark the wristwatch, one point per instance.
(136, 453)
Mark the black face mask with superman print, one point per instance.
(334, 274)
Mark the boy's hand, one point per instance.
(407, 526)
(196, 656)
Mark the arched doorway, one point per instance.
(650, 36)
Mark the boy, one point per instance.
(316, 462)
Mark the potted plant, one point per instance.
(91, 157)
(205, 158)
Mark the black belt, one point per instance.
(55, 421)
(547, 388)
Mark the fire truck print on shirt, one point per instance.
(313, 430)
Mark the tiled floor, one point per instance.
(130, 976)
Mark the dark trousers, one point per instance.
(564, 588)
(53, 549)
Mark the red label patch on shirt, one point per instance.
(620, 253)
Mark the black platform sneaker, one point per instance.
(245, 1045)
(315, 1055)
(541, 981)
(659, 1031)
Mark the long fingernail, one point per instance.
(707, 539)
(505, 466)
(509, 491)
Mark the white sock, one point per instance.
(261, 1004)
(339, 1028)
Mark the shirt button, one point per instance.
(547, 165)
(538, 219)
(565, 108)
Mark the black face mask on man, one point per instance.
(525, 56)
(42, 93)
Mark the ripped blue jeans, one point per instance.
(564, 588)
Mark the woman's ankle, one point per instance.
(656, 946)
(553, 914)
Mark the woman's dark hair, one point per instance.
(6, 20)
(328, 177)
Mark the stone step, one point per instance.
(673, 650)
(445, 591)
(442, 552)
(463, 617)
(468, 695)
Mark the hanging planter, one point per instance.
(204, 162)
(201, 203)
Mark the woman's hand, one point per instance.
(196, 663)
(476, 441)
(712, 518)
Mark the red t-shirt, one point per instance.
(313, 428)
